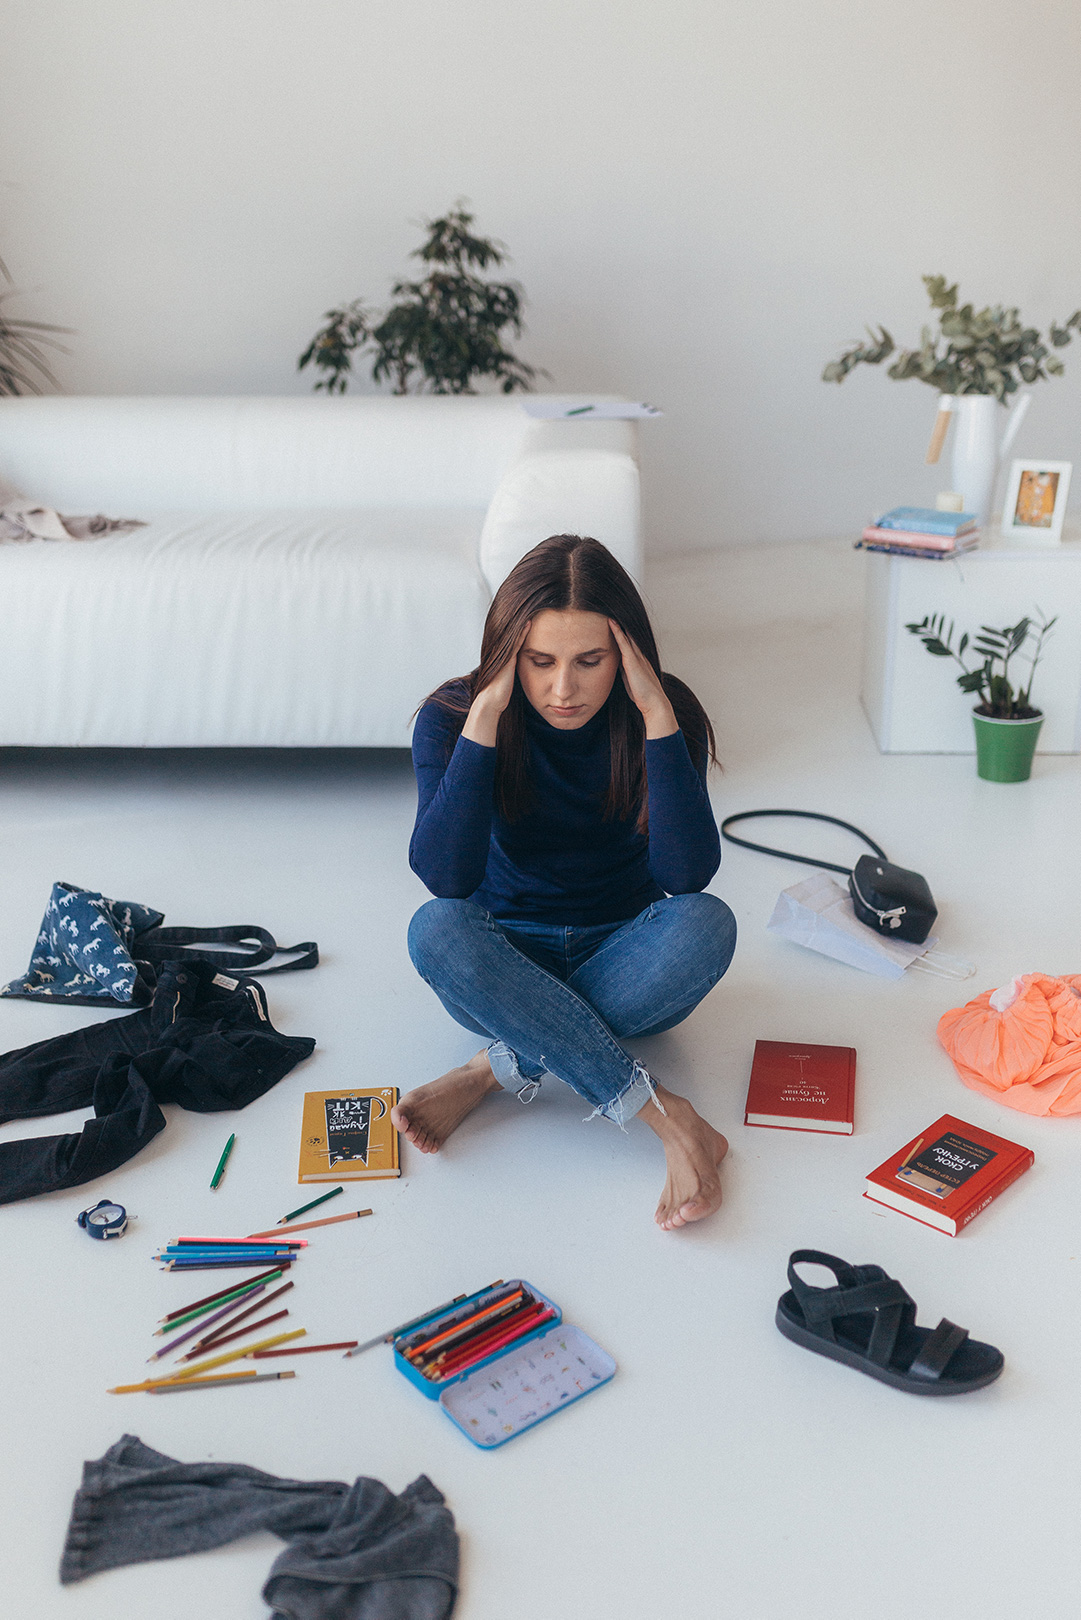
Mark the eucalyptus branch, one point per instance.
(986, 351)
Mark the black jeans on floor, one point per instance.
(205, 1042)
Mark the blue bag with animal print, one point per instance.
(93, 950)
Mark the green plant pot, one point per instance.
(1004, 748)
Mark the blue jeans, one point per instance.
(553, 1000)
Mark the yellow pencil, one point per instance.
(198, 1367)
(156, 1383)
(215, 1361)
(911, 1156)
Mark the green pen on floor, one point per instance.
(222, 1162)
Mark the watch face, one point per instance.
(105, 1214)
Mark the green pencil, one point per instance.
(293, 1213)
(220, 1171)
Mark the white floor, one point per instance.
(723, 1472)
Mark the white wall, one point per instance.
(703, 199)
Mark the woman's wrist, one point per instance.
(482, 722)
(660, 721)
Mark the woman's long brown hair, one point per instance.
(570, 571)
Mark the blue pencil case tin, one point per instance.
(526, 1376)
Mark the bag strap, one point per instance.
(160, 944)
(786, 855)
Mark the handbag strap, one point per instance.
(160, 944)
(786, 855)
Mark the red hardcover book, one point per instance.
(948, 1174)
(802, 1087)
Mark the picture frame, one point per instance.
(1036, 496)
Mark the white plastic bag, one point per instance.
(818, 913)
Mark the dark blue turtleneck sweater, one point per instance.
(562, 862)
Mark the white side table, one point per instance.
(911, 699)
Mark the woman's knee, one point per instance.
(437, 927)
(712, 926)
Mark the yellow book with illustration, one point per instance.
(348, 1135)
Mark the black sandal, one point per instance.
(869, 1322)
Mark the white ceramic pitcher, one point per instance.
(977, 445)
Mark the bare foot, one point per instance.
(427, 1116)
(694, 1151)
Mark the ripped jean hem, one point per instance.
(638, 1091)
(507, 1069)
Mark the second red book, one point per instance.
(802, 1087)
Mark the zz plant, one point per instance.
(445, 331)
(999, 700)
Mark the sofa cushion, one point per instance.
(319, 628)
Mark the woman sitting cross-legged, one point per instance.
(564, 824)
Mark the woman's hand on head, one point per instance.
(482, 722)
(644, 687)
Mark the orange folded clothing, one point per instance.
(1021, 1044)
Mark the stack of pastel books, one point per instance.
(921, 531)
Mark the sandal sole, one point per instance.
(886, 1375)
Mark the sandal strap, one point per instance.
(937, 1349)
(859, 1288)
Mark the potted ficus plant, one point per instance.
(445, 332)
(1007, 725)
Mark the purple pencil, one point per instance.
(203, 1324)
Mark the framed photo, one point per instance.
(1036, 497)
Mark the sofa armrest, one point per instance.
(569, 479)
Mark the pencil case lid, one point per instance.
(526, 1384)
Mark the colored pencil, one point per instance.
(437, 1319)
(513, 1307)
(260, 1305)
(199, 1305)
(189, 1251)
(218, 1265)
(403, 1327)
(223, 1338)
(209, 1383)
(162, 1383)
(306, 1226)
(518, 1322)
(478, 1316)
(222, 1162)
(303, 1349)
(304, 1208)
(241, 1243)
(239, 1355)
(465, 1360)
(226, 1310)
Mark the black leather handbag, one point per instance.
(888, 898)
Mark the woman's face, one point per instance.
(568, 666)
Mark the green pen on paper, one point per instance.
(222, 1162)
(580, 410)
(304, 1208)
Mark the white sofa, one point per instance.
(311, 567)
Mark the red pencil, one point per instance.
(206, 1346)
(463, 1339)
(465, 1360)
(490, 1330)
(479, 1316)
(227, 1326)
(305, 1350)
(275, 1271)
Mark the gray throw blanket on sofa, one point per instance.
(356, 1552)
